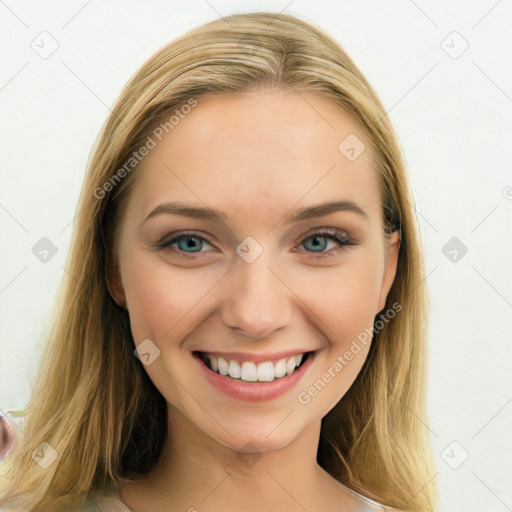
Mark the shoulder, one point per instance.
(368, 505)
(111, 503)
(103, 503)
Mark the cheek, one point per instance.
(158, 296)
(346, 303)
(346, 298)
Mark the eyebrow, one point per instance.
(319, 210)
(210, 214)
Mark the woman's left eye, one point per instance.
(320, 240)
(189, 243)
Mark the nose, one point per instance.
(256, 302)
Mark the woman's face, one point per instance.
(260, 281)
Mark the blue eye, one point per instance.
(317, 247)
(320, 241)
(189, 244)
(195, 246)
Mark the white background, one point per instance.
(453, 117)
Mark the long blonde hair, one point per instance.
(92, 401)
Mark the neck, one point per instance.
(195, 470)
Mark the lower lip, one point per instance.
(254, 391)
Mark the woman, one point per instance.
(244, 322)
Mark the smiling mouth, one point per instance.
(248, 371)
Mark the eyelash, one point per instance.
(329, 233)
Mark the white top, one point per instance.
(113, 503)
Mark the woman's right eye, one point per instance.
(186, 244)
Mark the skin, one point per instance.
(256, 157)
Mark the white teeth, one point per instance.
(234, 369)
(222, 366)
(280, 368)
(290, 365)
(266, 372)
(250, 372)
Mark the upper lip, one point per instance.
(255, 358)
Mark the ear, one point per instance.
(391, 261)
(114, 282)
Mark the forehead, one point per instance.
(259, 152)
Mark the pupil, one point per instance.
(316, 245)
(188, 243)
